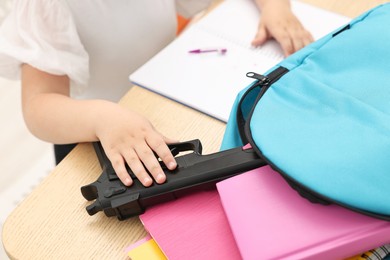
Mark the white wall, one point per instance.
(24, 160)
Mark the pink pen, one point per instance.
(219, 50)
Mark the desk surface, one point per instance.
(51, 223)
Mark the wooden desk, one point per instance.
(51, 223)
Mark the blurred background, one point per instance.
(24, 160)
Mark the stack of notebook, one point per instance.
(256, 214)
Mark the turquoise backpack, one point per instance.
(321, 117)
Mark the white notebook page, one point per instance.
(209, 82)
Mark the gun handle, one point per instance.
(105, 163)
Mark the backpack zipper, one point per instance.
(261, 79)
(266, 81)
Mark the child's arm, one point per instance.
(53, 116)
(277, 21)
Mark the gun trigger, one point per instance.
(175, 151)
(114, 191)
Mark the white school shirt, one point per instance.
(96, 43)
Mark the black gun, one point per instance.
(194, 172)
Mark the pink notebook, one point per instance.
(192, 227)
(271, 221)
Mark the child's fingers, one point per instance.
(151, 163)
(282, 36)
(300, 37)
(169, 140)
(133, 161)
(261, 36)
(160, 147)
(120, 169)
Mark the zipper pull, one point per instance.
(262, 80)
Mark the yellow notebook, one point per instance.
(146, 248)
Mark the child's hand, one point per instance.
(278, 22)
(130, 138)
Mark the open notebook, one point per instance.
(209, 82)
